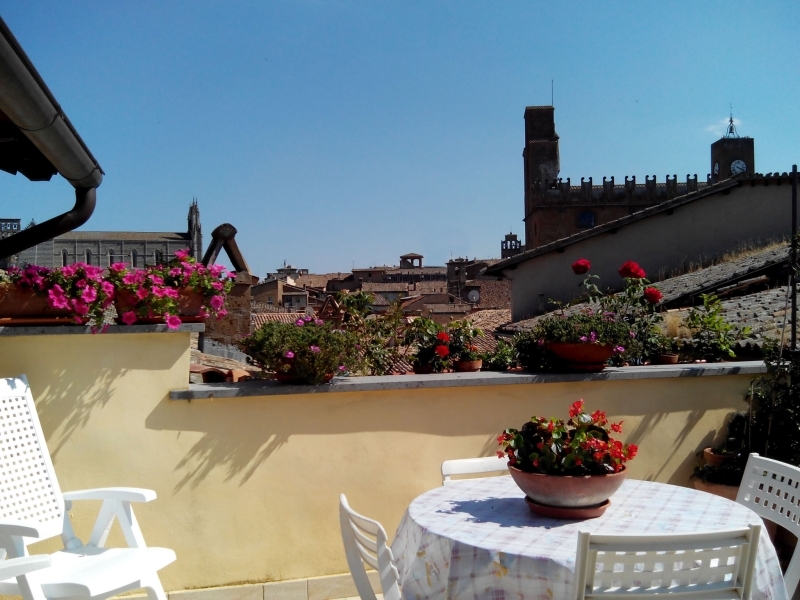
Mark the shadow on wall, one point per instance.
(239, 435)
(66, 405)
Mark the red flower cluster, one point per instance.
(442, 350)
(652, 295)
(631, 270)
(576, 408)
(581, 266)
(443, 337)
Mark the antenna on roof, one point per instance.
(552, 86)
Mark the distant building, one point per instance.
(409, 271)
(555, 209)
(102, 248)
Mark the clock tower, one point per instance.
(732, 155)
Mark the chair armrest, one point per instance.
(14, 567)
(124, 494)
(19, 528)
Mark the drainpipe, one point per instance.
(30, 105)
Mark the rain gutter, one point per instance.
(29, 104)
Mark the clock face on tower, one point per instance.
(738, 166)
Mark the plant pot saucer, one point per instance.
(565, 512)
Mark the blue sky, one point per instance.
(334, 133)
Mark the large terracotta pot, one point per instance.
(467, 366)
(566, 490)
(18, 303)
(190, 303)
(582, 357)
(715, 459)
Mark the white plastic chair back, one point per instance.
(771, 489)
(365, 542)
(717, 564)
(472, 466)
(30, 489)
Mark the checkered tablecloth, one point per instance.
(478, 539)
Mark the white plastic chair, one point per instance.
(18, 567)
(771, 489)
(32, 508)
(717, 564)
(365, 541)
(472, 466)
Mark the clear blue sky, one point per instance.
(335, 133)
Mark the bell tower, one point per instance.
(540, 158)
(195, 231)
(732, 155)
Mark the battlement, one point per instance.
(561, 192)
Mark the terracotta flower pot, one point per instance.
(715, 459)
(190, 303)
(582, 357)
(18, 303)
(567, 490)
(667, 359)
(467, 366)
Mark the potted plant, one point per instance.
(575, 464)
(308, 351)
(431, 344)
(75, 293)
(501, 359)
(182, 290)
(713, 338)
(464, 352)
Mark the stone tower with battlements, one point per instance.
(195, 231)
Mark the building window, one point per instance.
(87, 257)
(269, 299)
(134, 258)
(586, 219)
(158, 257)
(64, 258)
(110, 257)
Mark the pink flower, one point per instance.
(108, 288)
(288, 354)
(171, 292)
(342, 367)
(117, 267)
(182, 255)
(217, 302)
(131, 278)
(157, 279)
(217, 286)
(314, 349)
(319, 322)
(175, 272)
(173, 322)
(619, 349)
(142, 293)
(221, 313)
(216, 270)
(81, 284)
(89, 294)
(232, 275)
(158, 292)
(80, 307)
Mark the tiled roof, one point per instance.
(489, 320)
(317, 281)
(380, 300)
(384, 287)
(428, 287)
(494, 294)
(448, 308)
(712, 278)
(259, 319)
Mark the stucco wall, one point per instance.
(704, 229)
(248, 487)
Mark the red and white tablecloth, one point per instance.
(478, 539)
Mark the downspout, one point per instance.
(30, 105)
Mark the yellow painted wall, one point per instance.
(248, 488)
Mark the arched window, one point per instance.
(134, 258)
(158, 257)
(110, 257)
(87, 257)
(64, 258)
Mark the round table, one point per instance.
(477, 538)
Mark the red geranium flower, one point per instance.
(631, 270)
(652, 295)
(442, 350)
(576, 408)
(581, 266)
(443, 337)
